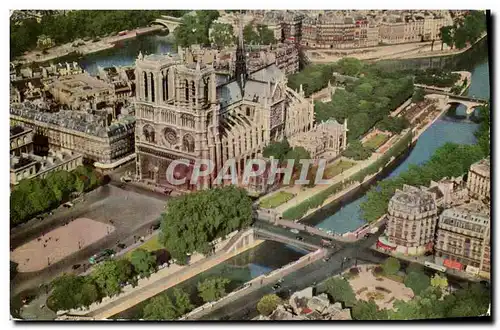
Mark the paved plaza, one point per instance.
(383, 290)
(55, 245)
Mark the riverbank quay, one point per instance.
(256, 284)
(84, 47)
(166, 278)
(405, 51)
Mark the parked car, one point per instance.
(325, 259)
(295, 231)
(101, 256)
(299, 238)
(76, 266)
(121, 246)
(68, 204)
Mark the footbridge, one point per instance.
(467, 101)
(169, 22)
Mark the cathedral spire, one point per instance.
(241, 67)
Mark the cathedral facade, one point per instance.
(182, 112)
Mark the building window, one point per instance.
(146, 86)
(152, 87)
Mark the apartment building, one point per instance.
(478, 179)
(463, 238)
(412, 217)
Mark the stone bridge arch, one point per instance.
(168, 25)
(469, 105)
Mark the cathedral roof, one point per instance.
(268, 73)
(256, 87)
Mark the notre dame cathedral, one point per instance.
(183, 111)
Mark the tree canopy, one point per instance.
(364, 98)
(471, 301)
(194, 220)
(391, 266)
(194, 28)
(357, 151)
(465, 30)
(162, 307)
(393, 124)
(258, 35)
(34, 196)
(368, 310)
(277, 150)
(144, 262)
(417, 281)
(71, 291)
(212, 289)
(341, 291)
(222, 35)
(110, 275)
(268, 304)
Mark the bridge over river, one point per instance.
(469, 102)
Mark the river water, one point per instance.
(344, 216)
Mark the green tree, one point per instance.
(110, 275)
(446, 36)
(193, 221)
(144, 262)
(61, 183)
(277, 150)
(368, 310)
(222, 35)
(65, 292)
(182, 302)
(418, 95)
(268, 304)
(391, 266)
(212, 289)
(439, 282)
(160, 308)
(265, 35)
(250, 36)
(357, 151)
(393, 124)
(341, 291)
(350, 66)
(417, 281)
(89, 292)
(297, 154)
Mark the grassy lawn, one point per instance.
(276, 200)
(338, 167)
(376, 141)
(151, 244)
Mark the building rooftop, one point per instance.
(482, 167)
(86, 122)
(411, 198)
(15, 130)
(469, 214)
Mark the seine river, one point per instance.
(341, 217)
